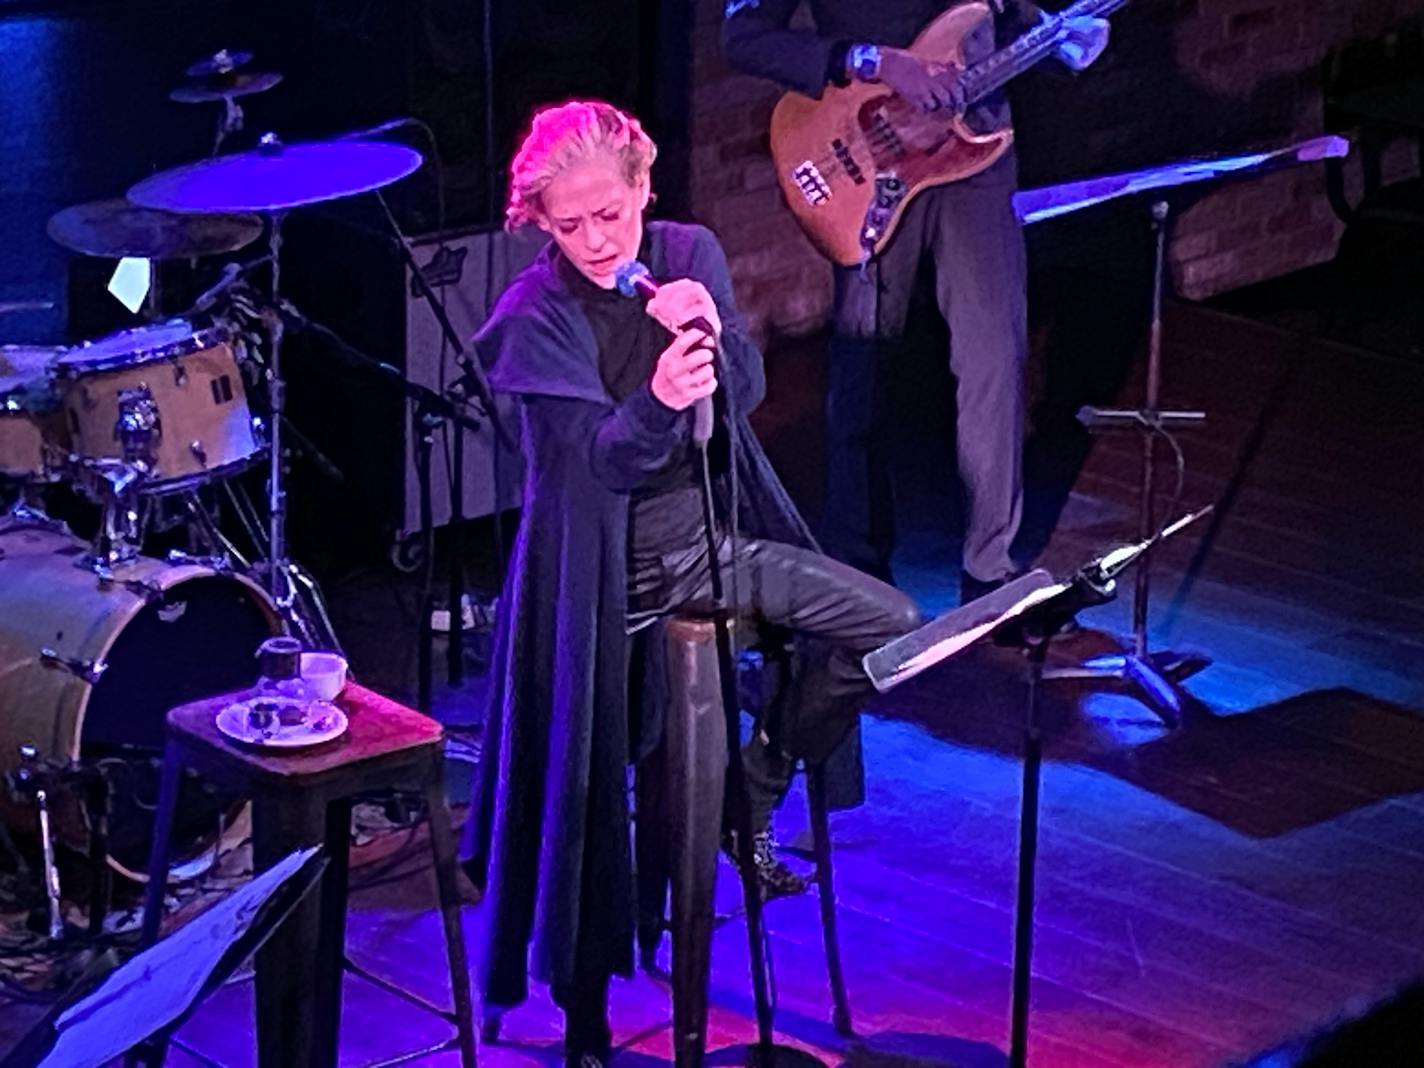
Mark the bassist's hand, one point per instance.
(930, 86)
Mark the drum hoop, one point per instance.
(72, 366)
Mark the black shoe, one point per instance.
(774, 878)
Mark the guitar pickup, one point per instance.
(813, 186)
(847, 162)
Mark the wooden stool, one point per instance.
(301, 798)
(679, 828)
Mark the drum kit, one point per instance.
(98, 640)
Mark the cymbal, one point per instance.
(225, 87)
(276, 177)
(117, 228)
(222, 61)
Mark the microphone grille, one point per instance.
(629, 275)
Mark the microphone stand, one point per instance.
(472, 380)
(431, 409)
(765, 1053)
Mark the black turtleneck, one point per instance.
(665, 513)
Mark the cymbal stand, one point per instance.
(1155, 675)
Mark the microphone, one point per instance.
(635, 280)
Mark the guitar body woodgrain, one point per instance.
(828, 152)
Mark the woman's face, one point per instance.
(595, 217)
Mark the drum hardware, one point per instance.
(270, 181)
(91, 671)
(147, 592)
(27, 514)
(136, 643)
(8, 307)
(220, 78)
(177, 558)
(139, 427)
(36, 781)
(113, 485)
(26, 782)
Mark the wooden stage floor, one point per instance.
(1205, 893)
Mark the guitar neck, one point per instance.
(996, 71)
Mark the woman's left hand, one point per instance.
(679, 303)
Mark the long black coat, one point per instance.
(549, 828)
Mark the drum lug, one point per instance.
(147, 592)
(89, 671)
(219, 564)
(200, 453)
(139, 426)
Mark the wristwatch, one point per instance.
(863, 62)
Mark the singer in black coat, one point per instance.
(549, 836)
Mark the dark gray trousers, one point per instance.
(970, 232)
(840, 613)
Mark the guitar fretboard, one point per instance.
(997, 70)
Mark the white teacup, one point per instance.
(325, 673)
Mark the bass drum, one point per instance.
(90, 666)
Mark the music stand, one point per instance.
(1037, 606)
(137, 1005)
(1156, 674)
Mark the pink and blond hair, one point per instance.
(564, 135)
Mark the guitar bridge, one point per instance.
(889, 191)
(812, 184)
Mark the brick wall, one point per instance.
(1181, 78)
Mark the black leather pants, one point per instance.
(838, 613)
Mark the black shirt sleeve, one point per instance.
(757, 40)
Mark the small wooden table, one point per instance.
(300, 798)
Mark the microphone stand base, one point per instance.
(1156, 676)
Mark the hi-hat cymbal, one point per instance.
(276, 177)
(117, 228)
(222, 61)
(225, 86)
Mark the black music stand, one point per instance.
(1037, 607)
(137, 1006)
(1155, 674)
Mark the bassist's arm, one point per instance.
(758, 39)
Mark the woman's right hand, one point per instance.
(685, 372)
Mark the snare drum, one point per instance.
(183, 384)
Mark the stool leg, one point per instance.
(442, 843)
(825, 887)
(153, 1052)
(651, 839)
(287, 967)
(696, 753)
(331, 934)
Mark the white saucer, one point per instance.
(233, 722)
